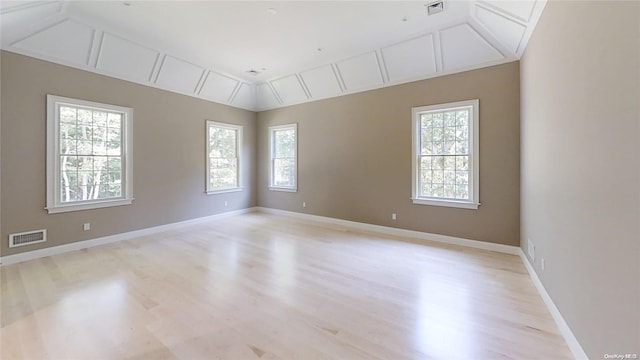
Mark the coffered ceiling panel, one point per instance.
(463, 46)
(289, 90)
(266, 97)
(67, 40)
(360, 72)
(245, 97)
(265, 54)
(218, 87)
(15, 15)
(321, 82)
(138, 64)
(179, 75)
(521, 9)
(410, 59)
(507, 31)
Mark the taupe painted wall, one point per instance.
(355, 156)
(581, 167)
(169, 154)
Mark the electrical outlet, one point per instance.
(531, 249)
(393, 216)
(542, 264)
(304, 204)
(225, 204)
(86, 226)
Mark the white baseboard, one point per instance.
(572, 342)
(54, 250)
(507, 249)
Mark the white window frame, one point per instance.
(238, 129)
(272, 132)
(474, 155)
(54, 205)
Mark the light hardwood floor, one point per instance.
(260, 286)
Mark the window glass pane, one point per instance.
(99, 138)
(426, 120)
(449, 147)
(449, 133)
(462, 162)
(462, 118)
(437, 120)
(449, 191)
(437, 162)
(450, 163)
(85, 117)
(449, 118)
(462, 133)
(462, 192)
(67, 146)
(68, 114)
(285, 143)
(114, 120)
(462, 177)
(100, 118)
(114, 141)
(223, 172)
(427, 148)
(223, 142)
(284, 172)
(438, 134)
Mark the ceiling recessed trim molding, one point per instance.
(491, 31)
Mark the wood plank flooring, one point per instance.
(261, 286)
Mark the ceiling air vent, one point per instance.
(27, 238)
(435, 7)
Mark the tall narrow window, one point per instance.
(89, 159)
(223, 157)
(284, 159)
(446, 155)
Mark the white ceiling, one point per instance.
(304, 50)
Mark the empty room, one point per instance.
(320, 179)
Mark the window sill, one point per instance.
(285, 189)
(87, 206)
(224, 191)
(447, 203)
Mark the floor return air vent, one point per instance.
(27, 238)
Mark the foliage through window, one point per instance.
(445, 148)
(89, 154)
(223, 157)
(284, 162)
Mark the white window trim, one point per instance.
(53, 164)
(230, 189)
(272, 130)
(474, 156)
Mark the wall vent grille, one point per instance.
(27, 238)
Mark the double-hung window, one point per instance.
(224, 144)
(446, 155)
(284, 157)
(89, 155)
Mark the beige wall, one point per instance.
(355, 156)
(581, 169)
(169, 154)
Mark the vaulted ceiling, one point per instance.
(267, 54)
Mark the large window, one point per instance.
(223, 157)
(445, 155)
(88, 155)
(284, 160)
